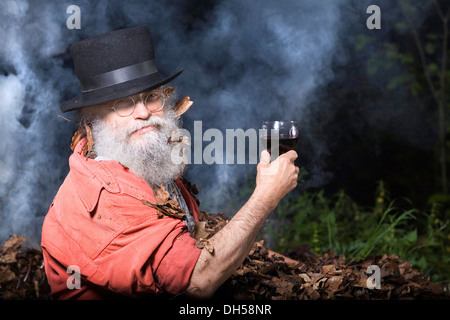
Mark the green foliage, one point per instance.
(416, 59)
(390, 226)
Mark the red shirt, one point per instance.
(98, 223)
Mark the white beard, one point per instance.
(147, 155)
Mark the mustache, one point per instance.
(152, 121)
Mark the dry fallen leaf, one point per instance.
(13, 243)
(170, 209)
(333, 283)
(78, 135)
(199, 230)
(6, 274)
(205, 243)
(182, 106)
(10, 247)
(90, 141)
(162, 196)
(76, 138)
(168, 91)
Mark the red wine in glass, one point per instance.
(285, 141)
(285, 131)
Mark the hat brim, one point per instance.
(117, 91)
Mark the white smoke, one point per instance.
(257, 61)
(29, 170)
(244, 62)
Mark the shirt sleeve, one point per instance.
(175, 269)
(155, 256)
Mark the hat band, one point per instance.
(117, 76)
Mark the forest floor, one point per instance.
(264, 275)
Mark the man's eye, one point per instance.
(123, 104)
(153, 96)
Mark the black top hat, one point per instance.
(114, 65)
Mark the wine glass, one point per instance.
(278, 136)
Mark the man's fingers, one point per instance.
(265, 157)
(292, 155)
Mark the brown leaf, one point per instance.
(10, 247)
(329, 268)
(205, 243)
(404, 267)
(182, 106)
(13, 243)
(6, 274)
(289, 261)
(305, 277)
(150, 204)
(169, 209)
(175, 139)
(78, 135)
(319, 283)
(199, 230)
(268, 269)
(312, 293)
(361, 281)
(333, 283)
(162, 196)
(284, 288)
(168, 91)
(90, 141)
(172, 204)
(76, 138)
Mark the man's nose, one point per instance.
(141, 111)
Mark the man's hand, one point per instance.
(276, 179)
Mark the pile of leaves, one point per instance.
(299, 274)
(266, 275)
(22, 274)
(296, 274)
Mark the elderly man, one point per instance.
(103, 236)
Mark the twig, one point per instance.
(421, 51)
(28, 272)
(64, 118)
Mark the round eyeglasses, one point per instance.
(154, 101)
